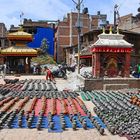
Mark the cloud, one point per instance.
(10, 10)
(35, 9)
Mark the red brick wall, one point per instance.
(67, 28)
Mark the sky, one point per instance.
(10, 10)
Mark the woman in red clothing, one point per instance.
(48, 74)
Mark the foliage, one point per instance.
(43, 59)
(44, 46)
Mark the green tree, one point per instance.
(44, 46)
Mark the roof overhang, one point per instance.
(15, 54)
(118, 49)
(18, 51)
(85, 56)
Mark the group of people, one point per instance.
(37, 70)
(50, 74)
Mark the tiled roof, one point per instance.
(111, 40)
(18, 50)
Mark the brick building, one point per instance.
(3, 40)
(67, 36)
(99, 21)
(3, 32)
(91, 37)
(131, 27)
(130, 23)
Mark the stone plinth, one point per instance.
(115, 86)
(100, 84)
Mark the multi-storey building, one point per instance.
(3, 40)
(67, 36)
(99, 21)
(3, 32)
(130, 22)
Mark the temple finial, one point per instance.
(117, 30)
(110, 30)
(20, 28)
(103, 30)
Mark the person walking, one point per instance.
(49, 75)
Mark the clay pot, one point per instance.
(63, 126)
(101, 130)
(51, 125)
(74, 126)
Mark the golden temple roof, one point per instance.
(18, 50)
(20, 35)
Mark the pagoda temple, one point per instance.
(18, 56)
(111, 55)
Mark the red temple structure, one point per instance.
(111, 56)
(18, 56)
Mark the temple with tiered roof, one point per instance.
(18, 56)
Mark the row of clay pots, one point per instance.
(5, 100)
(62, 121)
(64, 108)
(14, 87)
(32, 105)
(50, 121)
(82, 105)
(4, 118)
(97, 125)
(73, 121)
(41, 86)
(9, 105)
(39, 94)
(123, 118)
(4, 91)
(53, 106)
(82, 121)
(30, 118)
(20, 115)
(53, 86)
(22, 104)
(24, 87)
(12, 81)
(73, 106)
(40, 117)
(44, 105)
(11, 118)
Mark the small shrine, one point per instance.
(18, 56)
(111, 56)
